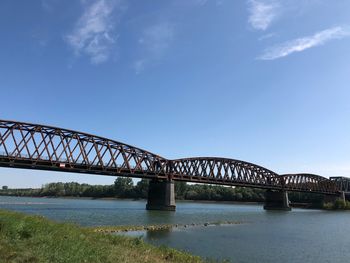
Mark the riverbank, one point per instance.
(137, 199)
(178, 201)
(124, 188)
(141, 199)
(338, 204)
(26, 238)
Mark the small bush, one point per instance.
(338, 204)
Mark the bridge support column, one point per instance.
(161, 195)
(347, 196)
(276, 200)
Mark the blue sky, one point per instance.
(266, 81)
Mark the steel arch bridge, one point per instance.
(34, 146)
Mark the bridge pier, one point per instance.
(347, 196)
(276, 200)
(161, 195)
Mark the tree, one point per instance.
(180, 190)
(141, 188)
(123, 186)
(5, 187)
(192, 195)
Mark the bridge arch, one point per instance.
(216, 170)
(26, 145)
(305, 182)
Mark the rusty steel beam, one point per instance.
(304, 182)
(34, 146)
(223, 171)
(342, 183)
(25, 145)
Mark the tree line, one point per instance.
(124, 187)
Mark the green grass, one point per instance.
(25, 238)
(339, 204)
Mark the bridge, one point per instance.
(42, 147)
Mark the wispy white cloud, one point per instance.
(48, 5)
(301, 44)
(155, 41)
(93, 34)
(262, 13)
(139, 65)
(157, 38)
(267, 36)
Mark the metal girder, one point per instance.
(304, 182)
(34, 146)
(25, 145)
(342, 183)
(223, 171)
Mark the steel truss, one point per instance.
(34, 146)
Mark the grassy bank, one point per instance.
(26, 238)
(339, 204)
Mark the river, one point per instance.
(263, 236)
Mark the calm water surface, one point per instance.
(297, 236)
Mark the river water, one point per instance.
(263, 236)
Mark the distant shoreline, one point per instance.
(133, 199)
(295, 205)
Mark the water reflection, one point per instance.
(157, 234)
(159, 217)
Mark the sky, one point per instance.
(265, 81)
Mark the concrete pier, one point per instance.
(347, 196)
(161, 195)
(276, 200)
